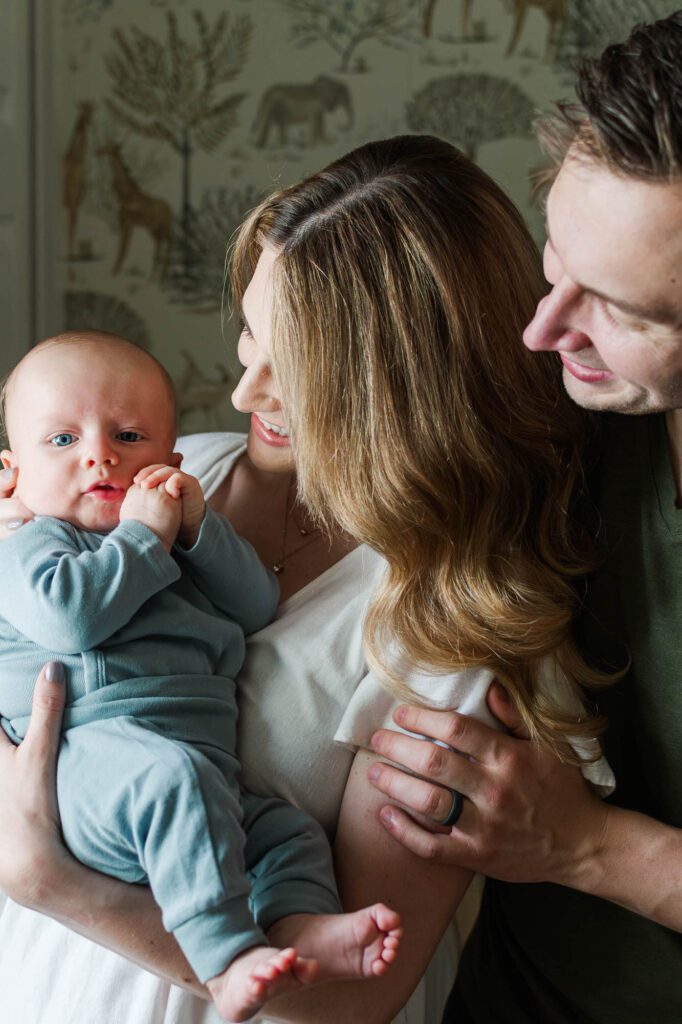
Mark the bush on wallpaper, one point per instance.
(471, 109)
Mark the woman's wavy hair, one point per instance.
(420, 423)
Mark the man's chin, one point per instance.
(612, 396)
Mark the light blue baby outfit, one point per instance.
(147, 775)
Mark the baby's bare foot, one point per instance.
(359, 945)
(257, 975)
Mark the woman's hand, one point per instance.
(527, 817)
(32, 853)
(13, 512)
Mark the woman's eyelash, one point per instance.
(244, 328)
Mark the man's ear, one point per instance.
(175, 460)
(9, 459)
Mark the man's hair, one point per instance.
(629, 114)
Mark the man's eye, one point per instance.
(62, 440)
(129, 435)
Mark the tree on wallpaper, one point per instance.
(171, 89)
(590, 27)
(471, 109)
(198, 282)
(345, 24)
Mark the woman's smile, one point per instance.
(270, 433)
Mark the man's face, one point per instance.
(614, 314)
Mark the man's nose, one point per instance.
(556, 324)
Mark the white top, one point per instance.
(304, 685)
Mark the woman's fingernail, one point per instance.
(386, 815)
(375, 740)
(54, 672)
(399, 713)
(14, 524)
(374, 772)
(8, 473)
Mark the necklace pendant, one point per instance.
(303, 532)
(277, 568)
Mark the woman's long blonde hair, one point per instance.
(420, 423)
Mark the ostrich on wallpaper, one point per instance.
(171, 89)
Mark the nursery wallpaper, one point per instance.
(174, 117)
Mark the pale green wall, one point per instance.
(467, 89)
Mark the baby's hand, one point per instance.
(155, 508)
(178, 485)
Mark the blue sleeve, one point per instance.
(69, 599)
(227, 570)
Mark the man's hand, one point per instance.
(181, 486)
(527, 817)
(13, 512)
(156, 509)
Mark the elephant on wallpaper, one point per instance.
(284, 105)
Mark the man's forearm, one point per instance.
(638, 865)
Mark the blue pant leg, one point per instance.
(289, 861)
(141, 807)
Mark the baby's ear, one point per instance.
(175, 460)
(9, 459)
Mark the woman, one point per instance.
(383, 302)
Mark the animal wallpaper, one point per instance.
(174, 117)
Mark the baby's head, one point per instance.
(84, 412)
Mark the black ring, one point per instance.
(453, 815)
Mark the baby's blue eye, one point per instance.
(129, 435)
(62, 440)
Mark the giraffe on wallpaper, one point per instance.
(555, 11)
(74, 172)
(137, 208)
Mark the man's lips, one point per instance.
(269, 436)
(585, 373)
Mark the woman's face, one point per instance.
(268, 443)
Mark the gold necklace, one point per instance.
(278, 567)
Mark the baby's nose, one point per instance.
(98, 456)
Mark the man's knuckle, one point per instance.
(431, 849)
(455, 729)
(431, 803)
(434, 760)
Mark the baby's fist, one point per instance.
(185, 487)
(156, 509)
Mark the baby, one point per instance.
(145, 595)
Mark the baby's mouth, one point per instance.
(104, 491)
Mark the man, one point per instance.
(596, 937)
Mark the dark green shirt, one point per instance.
(544, 954)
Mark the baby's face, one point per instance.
(82, 423)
